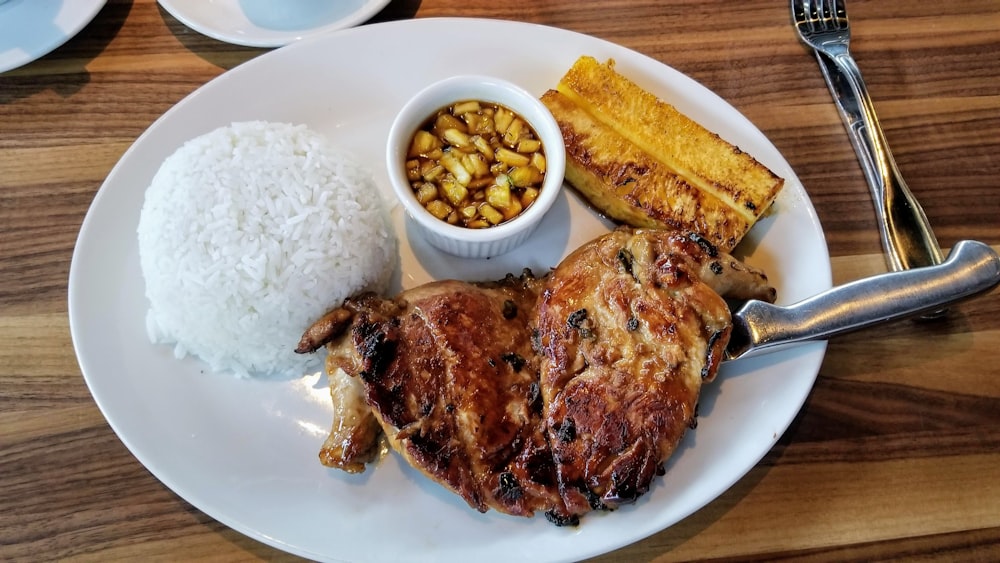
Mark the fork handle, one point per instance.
(906, 234)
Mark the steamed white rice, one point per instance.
(250, 233)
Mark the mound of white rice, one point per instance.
(250, 233)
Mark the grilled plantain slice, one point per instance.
(640, 161)
(628, 185)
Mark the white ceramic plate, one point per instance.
(244, 451)
(270, 23)
(31, 29)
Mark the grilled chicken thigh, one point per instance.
(629, 327)
(560, 394)
(449, 372)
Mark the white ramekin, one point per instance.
(462, 241)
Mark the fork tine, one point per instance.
(839, 8)
(808, 9)
(806, 6)
(819, 15)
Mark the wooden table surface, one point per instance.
(895, 453)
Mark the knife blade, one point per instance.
(971, 268)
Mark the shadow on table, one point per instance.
(397, 10)
(69, 60)
(219, 53)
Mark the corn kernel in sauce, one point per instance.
(475, 164)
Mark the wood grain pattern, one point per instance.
(894, 454)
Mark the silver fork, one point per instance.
(906, 234)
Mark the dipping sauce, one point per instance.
(475, 164)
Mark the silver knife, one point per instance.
(906, 234)
(972, 268)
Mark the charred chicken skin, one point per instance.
(449, 373)
(629, 326)
(558, 395)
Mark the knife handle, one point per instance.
(972, 267)
(907, 237)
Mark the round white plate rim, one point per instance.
(811, 354)
(22, 12)
(255, 36)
